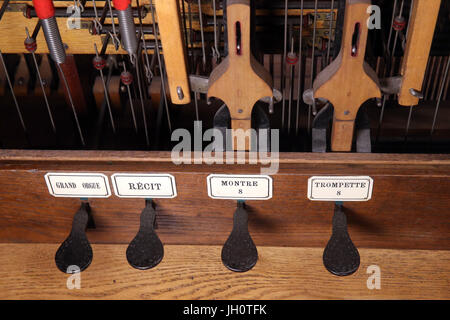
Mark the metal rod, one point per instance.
(71, 103)
(391, 71)
(13, 94)
(439, 97)
(216, 40)
(291, 86)
(299, 68)
(106, 93)
(408, 123)
(191, 54)
(330, 33)
(131, 101)
(49, 110)
(114, 37)
(312, 66)
(183, 7)
(161, 69)
(436, 78)
(196, 107)
(148, 71)
(283, 64)
(395, 39)
(430, 77)
(391, 28)
(147, 139)
(200, 17)
(98, 26)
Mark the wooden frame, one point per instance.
(409, 209)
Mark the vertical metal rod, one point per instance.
(141, 97)
(439, 97)
(447, 85)
(163, 86)
(436, 78)
(131, 101)
(291, 85)
(114, 37)
(391, 28)
(191, 55)
(395, 40)
(183, 7)
(330, 33)
(49, 110)
(312, 66)
(408, 123)
(283, 64)
(196, 107)
(106, 93)
(216, 41)
(200, 17)
(391, 58)
(71, 103)
(13, 94)
(299, 68)
(148, 71)
(411, 107)
(98, 26)
(430, 76)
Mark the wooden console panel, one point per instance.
(409, 209)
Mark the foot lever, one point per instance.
(146, 251)
(76, 252)
(239, 251)
(340, 256)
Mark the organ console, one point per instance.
(154, 120)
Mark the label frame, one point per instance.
(86, 174)
(340, 178)
(165, 175)
(218, 175)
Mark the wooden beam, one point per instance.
(409, 207)
(196, 272)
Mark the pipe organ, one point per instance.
(229, 137)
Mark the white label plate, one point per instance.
(78, 185)
(142, 185)
(239, 187)
(334, 188)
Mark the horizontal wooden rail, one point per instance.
(195, 272)
(410, 206)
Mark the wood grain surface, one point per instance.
(170, 29)
(418, 44)
(196, 272)
(239, 80)
(409, 208)
(348, 81)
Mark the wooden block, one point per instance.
(239, 80)
(170, 29)
(418, 45)
(348, 81)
